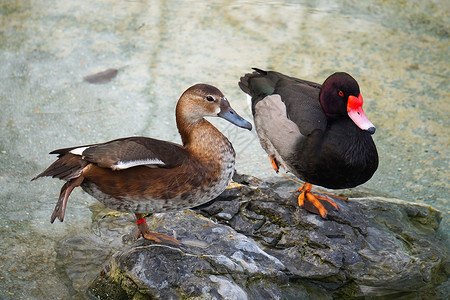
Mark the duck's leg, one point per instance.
(275, 164)
(313, 203)
(144, 230)
(60, 208)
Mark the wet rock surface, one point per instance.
(254, 242)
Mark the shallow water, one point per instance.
(397, 50)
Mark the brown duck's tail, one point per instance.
(66, 167)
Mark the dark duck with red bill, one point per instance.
(144, 175)
(319, 133)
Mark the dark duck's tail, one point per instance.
(258, 85)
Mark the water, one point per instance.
(398, 51)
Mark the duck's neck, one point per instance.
(204, 139)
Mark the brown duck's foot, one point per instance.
(275, 164)
(144, 230)
(315, 203)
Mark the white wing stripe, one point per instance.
(78, 151)
(128, 164)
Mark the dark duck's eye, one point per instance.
(210, 98)
(341, 93)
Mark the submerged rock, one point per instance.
(257, 243)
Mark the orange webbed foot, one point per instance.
(315, 203)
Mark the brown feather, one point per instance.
(66, 167)
(135, 149)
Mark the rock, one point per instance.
(254, 242)
(214, 260)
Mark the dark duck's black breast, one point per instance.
(318, 132)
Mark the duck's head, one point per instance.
(203, 100)
(340, 96)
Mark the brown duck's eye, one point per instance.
(341, 93)
(210, 98)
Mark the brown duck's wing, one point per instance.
(133, 151)
(116, 155)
